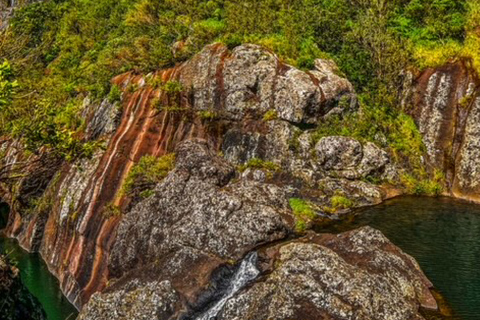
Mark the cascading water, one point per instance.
(247, 272)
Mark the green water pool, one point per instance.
(38, 280)
(443, 235)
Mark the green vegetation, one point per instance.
(61, 51)
(426, 186)
(256, 163)
(207, 115)
(110, 210)
(341, 202)
(270, 115)
(303, 211)
(149, 171)
(115, 94)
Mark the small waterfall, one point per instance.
(247, 272)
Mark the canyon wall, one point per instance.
(242, 126)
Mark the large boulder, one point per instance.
(198, 219)
(351, 276)
(356, 275)
(251, 79)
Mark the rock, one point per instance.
(16, 302)
(374, 160)
(251, 79)
(138, 301)
(198, 219)
(348, 158)
(338, 153)
(467, 172)
(195, 208)
(356, 275)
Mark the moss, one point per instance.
(115, 94)
(207, 115)
(341, 202)
(270, 115)
(172, 87)
(303, 212)
(149, 171)
(111, 210)
(256, 163)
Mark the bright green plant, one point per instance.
(149, 171)
(303, 212)
(341, 202)
(270, 115)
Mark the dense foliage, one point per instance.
(64, 50)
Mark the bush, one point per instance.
(65, 50)
(148, 172)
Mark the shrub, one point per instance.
(149, 171)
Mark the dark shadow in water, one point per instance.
(442, 234)
(36, 277)
(4, 210)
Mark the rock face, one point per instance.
(446, 105)
(355, 275)
(241, 124)
(16, 302)
(236, 89)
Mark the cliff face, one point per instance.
(446, 105)
(240, 123)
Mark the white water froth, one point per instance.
(247, 272)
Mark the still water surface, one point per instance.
(38, 280)
(443, 234)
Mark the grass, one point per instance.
(424, 186)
